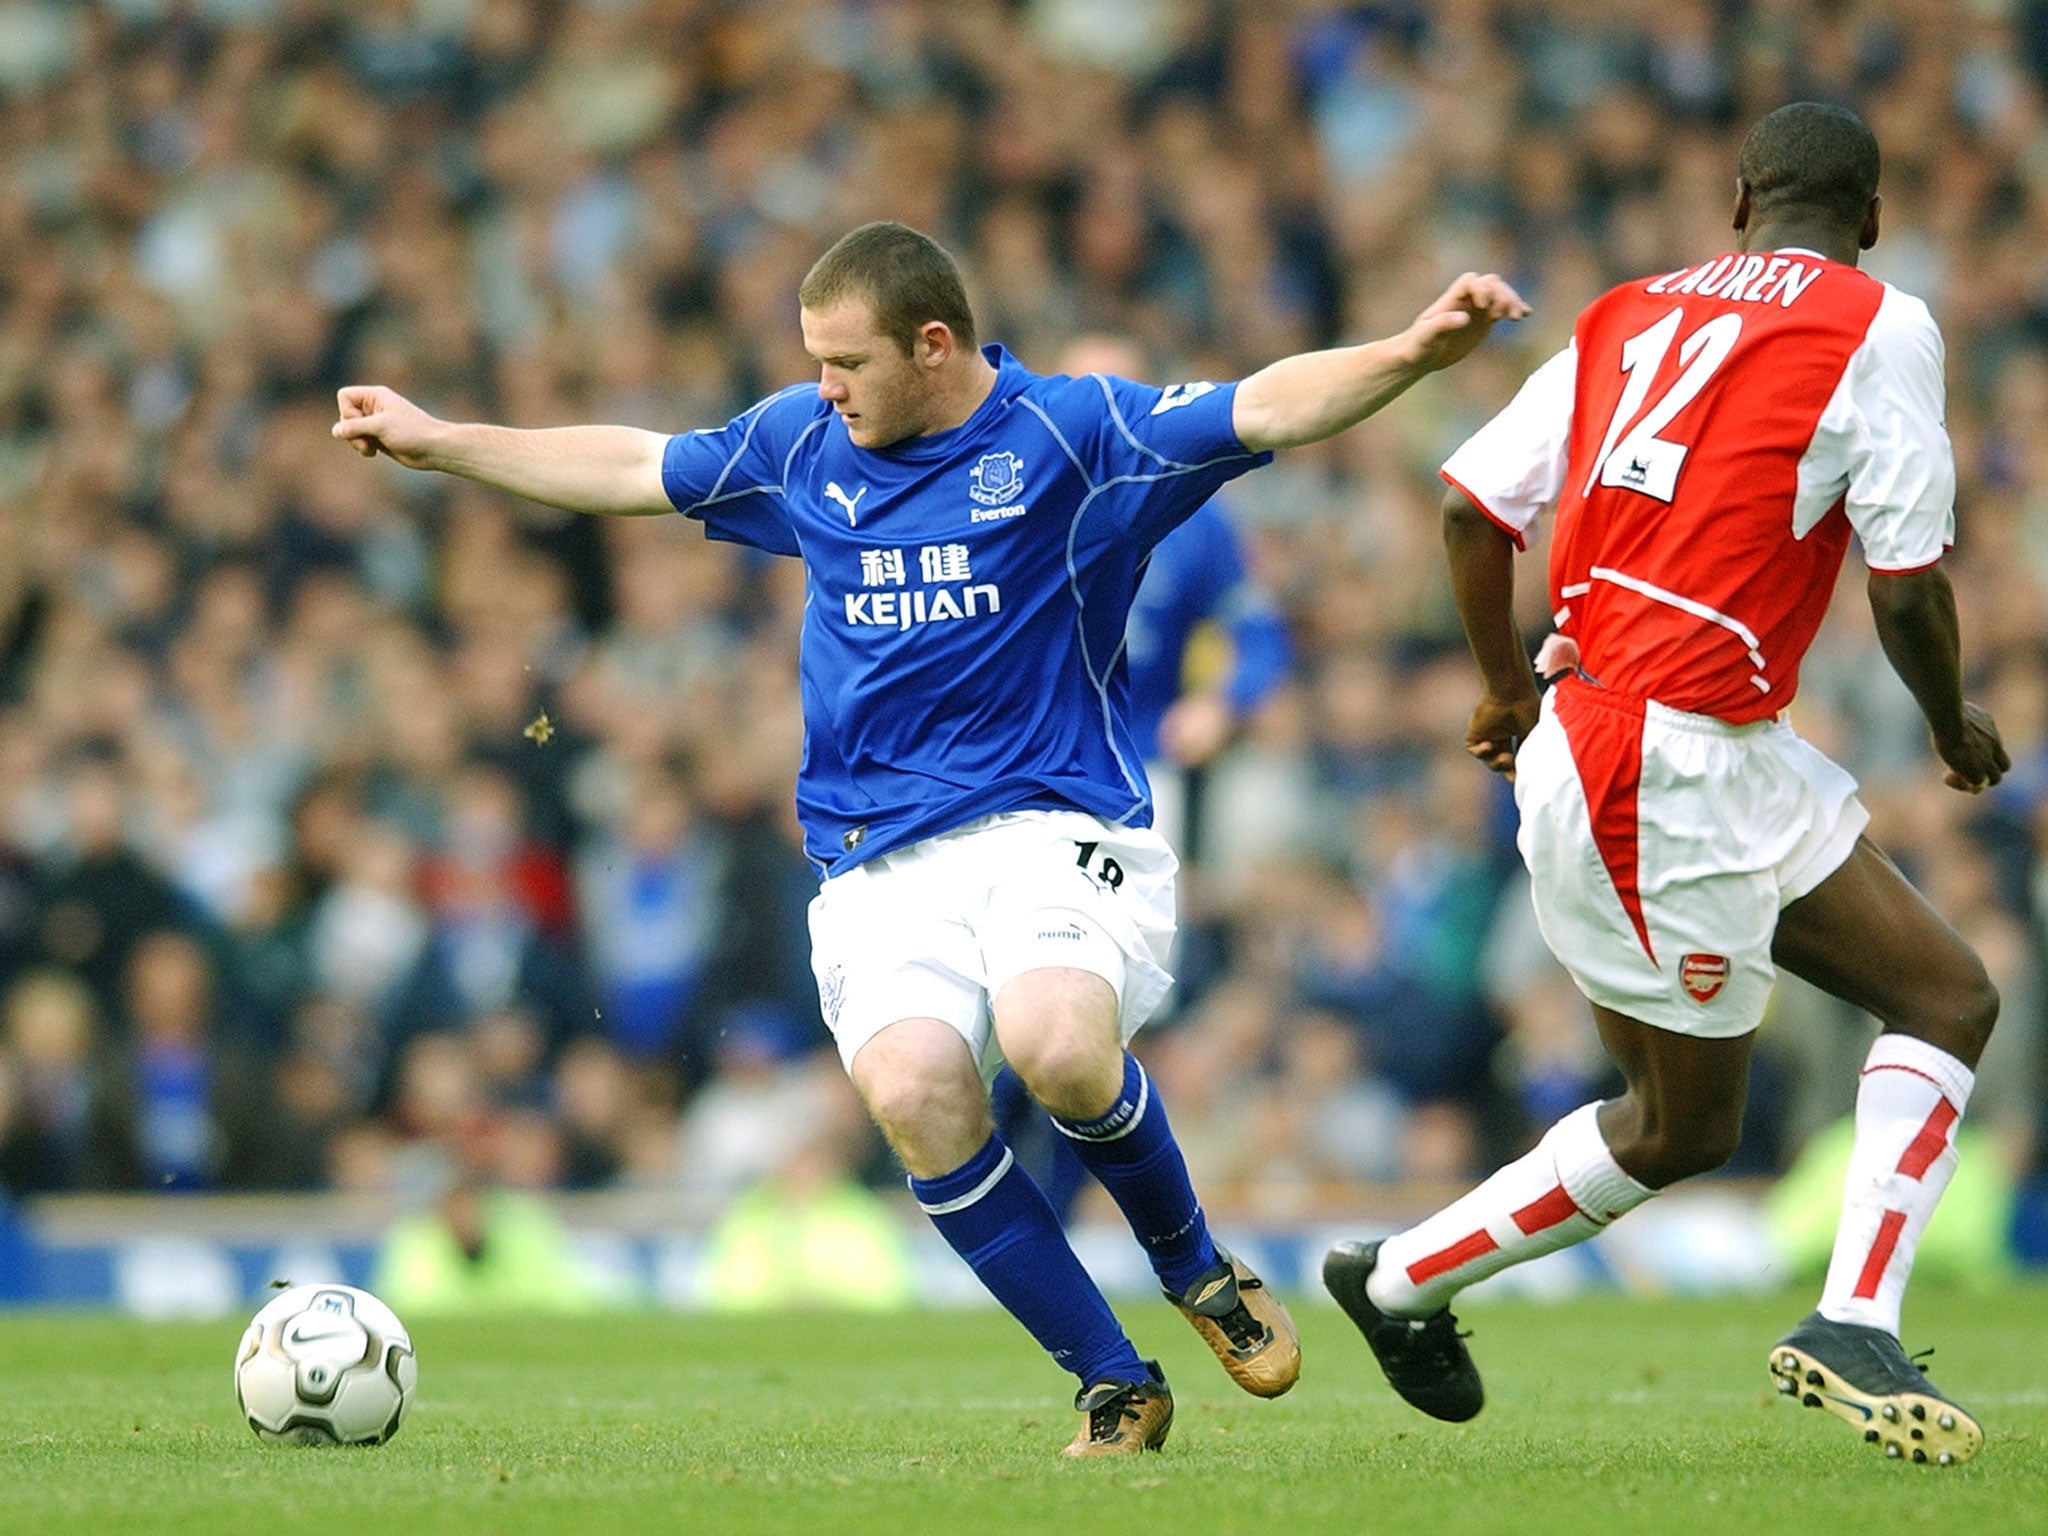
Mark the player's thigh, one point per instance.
(1075, 894)
(1049, 1000)
(889, 942)
(1638, 901)
(1866, 935)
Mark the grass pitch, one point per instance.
(1610, 1414)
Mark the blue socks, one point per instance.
(1131, 1150)
(995, 1218)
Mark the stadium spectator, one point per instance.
(809, 1235)
(1185, 707)
(325, 1076)
(618, 1124)
(498, 910)
(648, 893)
(54, 1104)
(184, 1096)
(484, 1246)
(770, 1087)
(100, 897)
(367, 936)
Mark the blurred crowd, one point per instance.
(365, 830)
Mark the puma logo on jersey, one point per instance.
(834, 493)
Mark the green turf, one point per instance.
(1607, 1416)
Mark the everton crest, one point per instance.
(997, 479)
(832, 993)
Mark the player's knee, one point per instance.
(1071, 1073)
(900, 1103)
(1978, 1008)
(1058, 1030)
(933, 1115)
(1960, 1014)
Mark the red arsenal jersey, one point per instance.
(1711, 437)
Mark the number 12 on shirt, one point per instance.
(1642, 461)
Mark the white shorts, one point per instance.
(934, 930)
(1662, 846)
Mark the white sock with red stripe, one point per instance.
(1561, 1192)
(1907, 1106)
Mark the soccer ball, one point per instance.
(325, 1365)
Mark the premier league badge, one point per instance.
(997, 479)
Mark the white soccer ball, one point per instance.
(325, 1365)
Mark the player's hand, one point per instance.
(1460, 319)
(1498, 729)
(1976, 758)
(375, 419)
(1196, 728)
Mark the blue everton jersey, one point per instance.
(963, 643)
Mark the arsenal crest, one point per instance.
(996, 479)
(1703, 976)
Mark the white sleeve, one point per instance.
(1514, 466)
(1902, 471)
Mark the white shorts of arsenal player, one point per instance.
(1661, 847)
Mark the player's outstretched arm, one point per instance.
(1314, 395)
(1916, 623)
(613, 470)
(1482, 561)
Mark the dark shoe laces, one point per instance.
(1243, 1329)
(1106, 1417)
(1439, 1334)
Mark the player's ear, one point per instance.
(934, 343)
(1740, 222)
(1866, 237)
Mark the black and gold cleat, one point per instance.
(1861, 1375)
(1245, 1324)
(1123, 1418)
